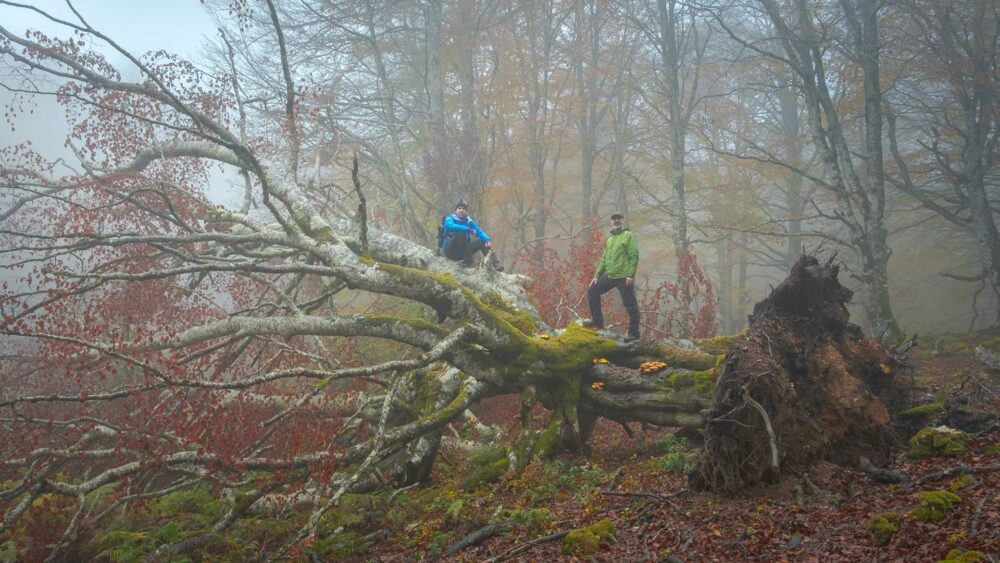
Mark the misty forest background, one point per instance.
(691, 118)
(226, 335)
(740, 133)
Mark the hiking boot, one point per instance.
(589, 323)
(630, 338)
(495, 261)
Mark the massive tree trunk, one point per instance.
(802, 385)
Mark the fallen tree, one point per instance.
(157, 342)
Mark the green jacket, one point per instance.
(621, 255)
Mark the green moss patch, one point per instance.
(677, 457)
(533, 520)
(963, 556)
(701, 380)
(585, 541)
(718, 344)
(490, 473)
(962, 482)
(937, 441)
(924, 409)
(343, 545)
(882, 527)
(935, 505)
(518, 319)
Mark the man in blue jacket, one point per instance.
(457, 243)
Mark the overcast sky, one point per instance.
(180, 27)
(176, 26)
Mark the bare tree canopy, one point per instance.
(310, 341)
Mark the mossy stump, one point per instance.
(937, 441)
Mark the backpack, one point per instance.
(441, 232)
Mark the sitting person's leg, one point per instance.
(479, 245)
(457, 248)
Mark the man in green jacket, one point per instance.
(616, 270)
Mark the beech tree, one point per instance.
(852, 165)
(947, 142)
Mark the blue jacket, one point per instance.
(454, 226)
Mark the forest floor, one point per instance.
(631, 490)
(818, 513)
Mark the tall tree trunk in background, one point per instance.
(961, 41)
(622, 109)
(590, 110)
(981, 116)
(795, 203)
(386, 97)
(535, 68)
(471, 165)
(677, 118)
(725, 249)
(860, 196)
(875, 237)
(743, 265)
(437, 159)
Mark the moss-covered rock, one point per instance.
(935, 505)
(993, 450)
(487, 455)
(585, 541)
(937, 441)
(963, 556)
(882, 527)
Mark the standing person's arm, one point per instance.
(632, 250)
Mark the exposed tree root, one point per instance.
(802, 385)
(882, 475)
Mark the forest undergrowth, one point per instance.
(627, 499)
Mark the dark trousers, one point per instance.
(461, 248)
(605, 284)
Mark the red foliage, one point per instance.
(559, 282)
(76, 338)
(665, 300)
